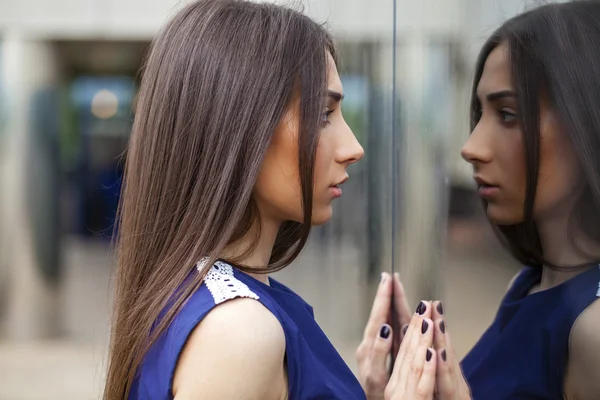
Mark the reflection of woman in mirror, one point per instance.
(238, 147)
(535, 149)
(534, 144)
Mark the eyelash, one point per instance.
(478, 112)
(504, 114)
(326, 116)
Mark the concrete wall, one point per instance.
(28, 66)
(141, 18)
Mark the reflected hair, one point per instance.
(216, 83)
(553, 52)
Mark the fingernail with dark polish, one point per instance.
(421, 308)
(440, 308)
(442, 327)
(404, 329)
(444, 354)
(384, 332)
(429, 355)
(424, 327)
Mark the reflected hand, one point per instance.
(451, 384)
(414, 373)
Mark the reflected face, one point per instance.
(496, 150)
(278, 190)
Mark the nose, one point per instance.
(350, 151)
(477, 149)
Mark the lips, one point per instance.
(486, 190)
(482, 182)
(335, 189)
(341, 182)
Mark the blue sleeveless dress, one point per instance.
(524, 353)
(315, 369)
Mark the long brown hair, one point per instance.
(217, 81)
(552, 53)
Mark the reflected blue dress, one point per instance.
(524, 353)
(315, 369)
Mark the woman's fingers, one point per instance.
(451, 384)
(415, 367)
(377, 376)
(422, 388)
(445, 378)
(446, 382)
(440, 326)
(422, 354)
(426, 385)
(419, 331)
(376, 345)
(380, 310)
(437, 310)
(406, 347)
(449, 354)
(425, 309)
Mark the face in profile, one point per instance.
(278, 190)
(496, 150)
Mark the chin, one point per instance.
(501, 216)
(321, 216)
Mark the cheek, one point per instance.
(559, 176)
(516, 168)
(322, 162)
(510, 167)
(510, 154)
(322, 201)
(277, 188)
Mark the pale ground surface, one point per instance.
(73, 368)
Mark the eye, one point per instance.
(325, 116)
(506, 116)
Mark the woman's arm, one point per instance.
(582, 381)
(236, 352)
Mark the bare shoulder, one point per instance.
(583, 374)
(236, 351)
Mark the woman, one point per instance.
(535, 131)
(534, 144)
(238, 147)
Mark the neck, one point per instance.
(563, 248)
(260, 252)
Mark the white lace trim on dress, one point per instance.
(222, 283)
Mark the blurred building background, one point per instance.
(68, 79)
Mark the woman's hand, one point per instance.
(373, 351)
(451, 384)
(372, 354)
(414, 373)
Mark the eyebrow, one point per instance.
(500, 95)
(335, 95)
